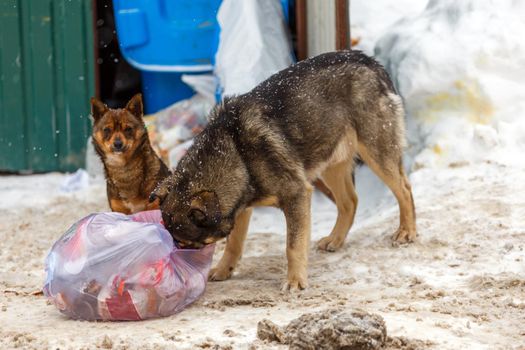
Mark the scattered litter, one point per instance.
(79, 180)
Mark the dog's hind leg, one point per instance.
(234, 248)
(339, 180)
(321, 186)
(388, 166)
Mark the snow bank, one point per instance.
(460, 67)
(369, 20)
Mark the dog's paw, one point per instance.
(219, 274)
(294, 284)
(329, 243)
(403, 236)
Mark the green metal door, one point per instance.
(46, 79)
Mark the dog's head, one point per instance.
(193, 219)
(118, 132)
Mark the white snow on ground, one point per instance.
(36, 191)
(460, 66)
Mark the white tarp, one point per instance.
(254, 44)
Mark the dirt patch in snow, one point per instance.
(328, 329)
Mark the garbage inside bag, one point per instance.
(111, 266)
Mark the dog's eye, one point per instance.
(128, 130)
(106, 131)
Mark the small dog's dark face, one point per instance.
(118, 132)
(193, 220)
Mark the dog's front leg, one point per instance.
(298, 225)
(234, 247)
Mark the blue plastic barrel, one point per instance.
(168, 35)
(167, 38)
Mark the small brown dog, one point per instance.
(132, 167)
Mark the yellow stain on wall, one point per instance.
(465, 99)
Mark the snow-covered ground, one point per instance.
(461, 285)
(460, 67)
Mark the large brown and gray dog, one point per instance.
(267, 146)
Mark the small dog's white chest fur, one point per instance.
(114, 160)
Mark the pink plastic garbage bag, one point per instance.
(111, 266)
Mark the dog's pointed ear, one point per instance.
(205, 210)
(98, 108)
(161, 191)
(135, 107)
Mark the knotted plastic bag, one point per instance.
(111, 266)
